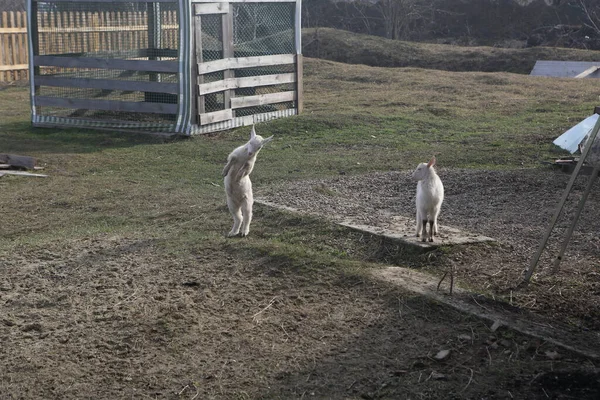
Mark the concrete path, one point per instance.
(400, 229)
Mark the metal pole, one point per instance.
(561, 204)
(582, 201)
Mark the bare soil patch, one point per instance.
(123, 317)
(513, 207)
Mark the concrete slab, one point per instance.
(400, 229)
(403, 229)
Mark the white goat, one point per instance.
(238, 186)
(430, 195)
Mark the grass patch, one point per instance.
(126, 238)
(358, 119)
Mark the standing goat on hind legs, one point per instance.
(430, 195)
(238, 186)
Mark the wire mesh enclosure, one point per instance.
(164, 66)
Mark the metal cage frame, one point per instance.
(221, 75)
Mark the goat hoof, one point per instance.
(424, 239)
(232, 234)
(431, 239)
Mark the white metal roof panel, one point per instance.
(564, 69)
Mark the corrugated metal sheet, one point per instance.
(564, 69)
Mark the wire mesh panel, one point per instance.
(264, 29)
(166, 65)
(107, 62)
(257, 75)
(212, 50)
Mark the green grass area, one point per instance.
(358, 119)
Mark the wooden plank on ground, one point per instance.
(245, 62)
(262, 99)
(14, 160)
(22, 173)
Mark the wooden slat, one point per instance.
(106, 63)
(13, 30)
(212, 8)
(108, 84)
(5, 49)
(251, 81)
(128, 54)
(200, 103)
(13, 67)
(91, 28)
(262, 99)
(245, 62)
(131, 106)
(300, 83)
(587, 72)
(23, 46)
(216, 116)
(15, 51)
(228, 52)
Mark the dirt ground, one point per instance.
(127, 317)
(117, 317)
(514, 207)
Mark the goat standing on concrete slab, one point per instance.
(430, 195)
(238, 186)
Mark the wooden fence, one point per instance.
(13, 46)
(75, 32)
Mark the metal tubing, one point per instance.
(582, 201)
(561, 204)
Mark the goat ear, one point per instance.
(431, 162)
(267, 140)
(252, 133)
